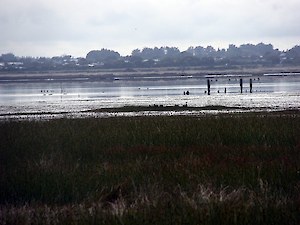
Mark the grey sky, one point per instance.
(57, 27)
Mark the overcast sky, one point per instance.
(57, 27)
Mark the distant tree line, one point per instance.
(244, 55)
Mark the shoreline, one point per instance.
(115, 74)
(151, 110)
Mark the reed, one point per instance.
(229, 169)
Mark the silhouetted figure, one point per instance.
(208, 87)
(241, 85)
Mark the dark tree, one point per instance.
(293, 55)
(103, 55)
(9, 57)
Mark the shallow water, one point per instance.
(73, 97)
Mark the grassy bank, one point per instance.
(240, 169)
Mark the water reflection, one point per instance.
(78, 95)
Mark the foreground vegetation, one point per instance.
(229, 169)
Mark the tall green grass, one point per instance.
(234, 169)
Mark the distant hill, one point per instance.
(248, 55)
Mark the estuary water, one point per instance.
(19, 97)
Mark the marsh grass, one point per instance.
(233, 169)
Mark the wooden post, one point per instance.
(208, 86)
(250, 85)
(241, 85)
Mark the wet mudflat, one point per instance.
(71, 98)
